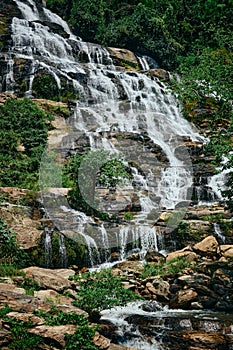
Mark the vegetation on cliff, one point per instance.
(23, 136)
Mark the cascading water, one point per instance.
(48, 247)
(218, 233)
(120, 111)
(62, 250)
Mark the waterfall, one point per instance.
(48, 247)
(62, 250)
(123, 112)
(218, 233)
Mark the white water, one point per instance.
(113, 102)
(62, 250)
(48, 247)
(218, 232)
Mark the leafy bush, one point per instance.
(99, 168)
(21, 338)
(57, 317)
(10, 253)
(102, 290)
(82, 339)
(23, 136)
(172, 267)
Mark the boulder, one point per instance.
(154, 256)
(161, 289)
(227, 250)
(100, 341)
(47, 278)
(123, 57)
(208, 247)
(184, 298)
(183, 253)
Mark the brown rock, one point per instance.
(62, 303)
(101, 341)
(153, 256)
(54, 333)
(184, 298)
(47, 278)
(26, 317)
(123, 57)
(227, 250)
(159, 73)
(208, 247)
(204, 338)
(183, 253)
(7, 287)
(161, 289)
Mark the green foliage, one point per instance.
(57, 317)
(45, 86)
(23, 136)
(21, 338)
(10, 253)
(128, 216)
(102, 290)
(82, 339)
(4, 311)
(9, 271)
(174, 266)
(162, 29)
(96, 168)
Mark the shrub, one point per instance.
(102, 290)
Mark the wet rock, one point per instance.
(151, 306)
(154, 256)
(123, 57)
(205, 339)
(183, 299)
(100, 341)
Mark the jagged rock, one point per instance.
(26, 317)
(47, 278)
(21, 302)
(161, 290)
(62, 303)
(159, 73)
(183, 299)
(208, 247)
(54, 333)
(227, 250)
(123, 57)
(6, 287)
(154, 256)
(193, 280)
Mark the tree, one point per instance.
(96, 168)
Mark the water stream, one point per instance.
(124, 112)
